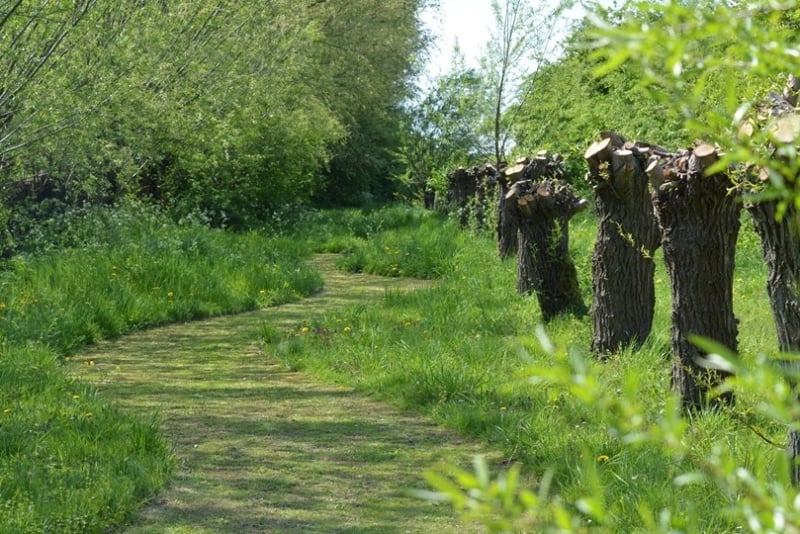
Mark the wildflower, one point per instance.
(170, 294)
(304, 330)
(603, 458)
(7, 410)
(89, 414)
(76, 397)
(262, 292)
(346, 328)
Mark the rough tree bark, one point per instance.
(506, 220)
(780, 242)
(461, 190)
(542, 209)
(699, 221)
(468, 191)
(623, 288)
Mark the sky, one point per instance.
(467, 22)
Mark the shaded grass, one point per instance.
(262, 448)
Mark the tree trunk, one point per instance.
(506, 223)
(461, 191)
(623, 289)
(780, 241)
(699, 223)
(542, 211)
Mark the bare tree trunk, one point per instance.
(506, 223)
(461, 192)
(780, 241)
(543, 211)
(699, 222)
(623, 288)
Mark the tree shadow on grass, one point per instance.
(261, 449)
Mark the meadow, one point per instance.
(463, 352)
(471, 353)
(71, 462)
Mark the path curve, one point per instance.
(262, 449)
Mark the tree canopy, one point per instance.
(227, 108)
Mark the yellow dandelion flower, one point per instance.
(346, 328)
(304, 329)
(170, 294)
(89, 414)
(76, 397)
(603, 458)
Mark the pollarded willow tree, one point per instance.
(623, 285)
(542, 204)
(698, 214)
(775, 130)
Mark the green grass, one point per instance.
(69, 460)
(463, 351)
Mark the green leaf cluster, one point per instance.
(228, 108)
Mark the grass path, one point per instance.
(265, 450)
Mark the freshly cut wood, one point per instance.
(786, 129)
(655, 173)
(622, 163)
(703, 156)
(599, 150)
(515, 173)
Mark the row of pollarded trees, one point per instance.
(647, 196)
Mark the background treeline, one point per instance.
(228, 109)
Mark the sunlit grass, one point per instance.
(462, 350)
(70, 461)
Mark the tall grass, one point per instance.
(461, 351)
(69, 461)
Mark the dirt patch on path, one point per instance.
(265, 450)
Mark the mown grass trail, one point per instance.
(263, 449)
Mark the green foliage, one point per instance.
(230, 109)
(425, 251)
(446, 131)
(713, 64)
(131, 269)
